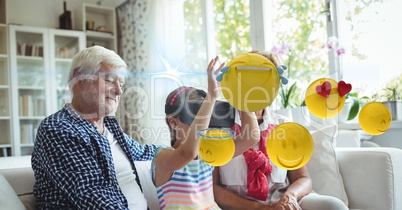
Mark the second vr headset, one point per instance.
(223, 114)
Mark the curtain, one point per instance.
(132, 36)
(151, 41)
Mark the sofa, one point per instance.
(363, 178)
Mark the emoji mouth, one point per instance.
(383, 131)
(252, 68)
(290, 163)
(209, 161)
(332, 109)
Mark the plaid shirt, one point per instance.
(73, 163)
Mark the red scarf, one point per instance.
(258, 166)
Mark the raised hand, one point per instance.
(213, 86)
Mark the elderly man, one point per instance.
(81, 158)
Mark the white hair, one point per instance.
(89, 60)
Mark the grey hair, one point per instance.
(88, 62)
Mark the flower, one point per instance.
(340, 51)
(281, 50)
(333, 44)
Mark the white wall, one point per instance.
(45, 13)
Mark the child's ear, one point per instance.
(172, 122)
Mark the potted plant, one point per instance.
(292, 106)
(286, 95)
(285, 100)
(393, 100)
(351, 108)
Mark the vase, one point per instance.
(395, 107)
(65, 18)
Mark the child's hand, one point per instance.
(213, 89)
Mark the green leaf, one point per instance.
(287, 94)
(354, 110)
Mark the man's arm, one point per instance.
(227, 199)
(140, 152)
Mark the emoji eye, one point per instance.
(208, 152)
(294, 144)
(201, 150)
(324, 89)
(383, 122)
(284, 145)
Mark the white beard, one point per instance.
(106, 107)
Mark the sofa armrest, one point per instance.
(371, 177)
(21, 179)
(15, 162)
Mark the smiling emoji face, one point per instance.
(216, 146)
(325, 97)
(375, 118)
(290, 146)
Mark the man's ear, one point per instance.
(76, 79)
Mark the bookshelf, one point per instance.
(5, 113)
(63, 46)
(104, 31)
(40, 60)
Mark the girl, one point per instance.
(182, 180)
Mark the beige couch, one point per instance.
(363, 178)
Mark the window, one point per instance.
(220, 27)
(299, 36)
(360, 44)
(368, 31)
(297, 28)
(232, 27)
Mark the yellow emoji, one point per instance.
(290, 146)
(250, 82)
(375, 118)
(216, 146)
(325, 97)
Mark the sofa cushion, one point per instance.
(323, 165)
(8, 197)
(348, 138)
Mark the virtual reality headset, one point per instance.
(223, 114)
